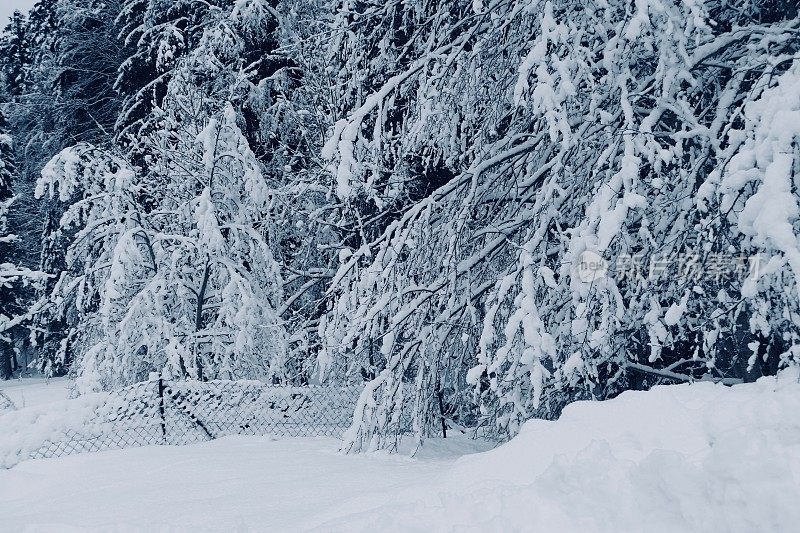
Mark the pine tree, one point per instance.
(14, 52)
(159, 36)
(73, 55)
(7, 303)
(14, 279)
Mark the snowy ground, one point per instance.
(235, 483)
(29, 392)
(682, 458)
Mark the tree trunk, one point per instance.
(6, 362)
(198, 323)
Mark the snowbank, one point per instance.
(699, 457)
(25, 431)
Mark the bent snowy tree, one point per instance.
(662, 134)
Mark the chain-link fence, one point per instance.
(177, 412)
(5, 403)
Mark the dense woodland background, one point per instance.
(398, 193)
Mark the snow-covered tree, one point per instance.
(15, 51)
(208, 143)
(13, 278)
(211, 196)
(182, 279)
(559, 129)
(67, 63)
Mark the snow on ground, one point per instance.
(231, 484)
(29, 392)
(682, 458)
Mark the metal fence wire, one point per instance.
(5, 403)
(184, 412)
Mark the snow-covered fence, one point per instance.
(173, 412)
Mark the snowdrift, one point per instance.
(699, 457)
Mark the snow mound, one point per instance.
(699, 457)
(25, 431)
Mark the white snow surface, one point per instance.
(30, 392)
(699, 457)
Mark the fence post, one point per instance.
(161, 408)
(441, 412)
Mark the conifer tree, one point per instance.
(15, 280)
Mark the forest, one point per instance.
(480, 211)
